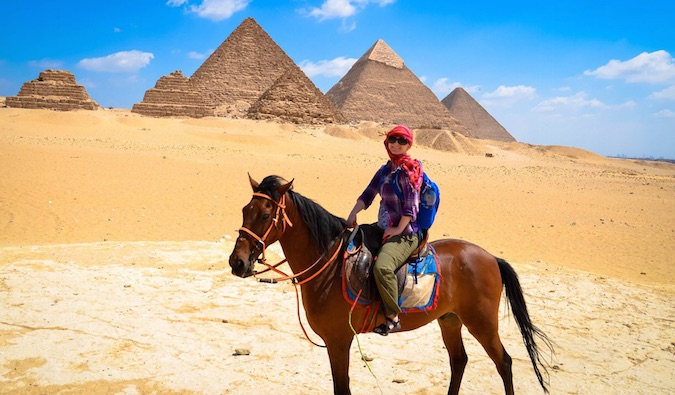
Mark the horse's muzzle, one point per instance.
(241, 267)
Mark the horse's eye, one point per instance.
(266, 216)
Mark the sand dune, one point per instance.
(115, 231)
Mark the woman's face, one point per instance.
(398, 145)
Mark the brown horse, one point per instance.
(311, 238)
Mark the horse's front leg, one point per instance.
(338, 353)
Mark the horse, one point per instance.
(312, 241)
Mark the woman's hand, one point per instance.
(389, 233)
(351, 219)
(395, 231)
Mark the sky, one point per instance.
(594, 75)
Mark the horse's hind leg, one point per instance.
(486, 332)
(451, 329)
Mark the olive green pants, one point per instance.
(392, 256)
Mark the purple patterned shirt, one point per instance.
(391, 207)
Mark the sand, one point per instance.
(115, 231)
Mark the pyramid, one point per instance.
(294, 98)
(241, 69)
(380, 88)
(54, 90)
(474, 117)
(173, 95)
(447, 141)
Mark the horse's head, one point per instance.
(264, 222)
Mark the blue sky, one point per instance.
(594, 75)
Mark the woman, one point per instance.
(398, 183)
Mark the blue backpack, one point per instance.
(430, 199)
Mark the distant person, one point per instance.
(397, 218)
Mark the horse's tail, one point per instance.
(514, 294)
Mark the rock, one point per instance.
(242, 351)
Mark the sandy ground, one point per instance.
(115, 231)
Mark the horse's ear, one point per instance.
(254, 183)
(285, 188)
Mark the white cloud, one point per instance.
(120, 62)
(666, 94)
(655, 68)
(46, 64)
(664, 114)
(117, 30)
(577, 101)
(337, 67)
(196, 55)
(628, 104)
(215, 10)
(518, 92)
(346, 27)
(442, 87)
(333, 9)
(508, 96)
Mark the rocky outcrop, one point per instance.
(54, 90)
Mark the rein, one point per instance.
(294, 277)
(281, 216)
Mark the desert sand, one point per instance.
(115, 231)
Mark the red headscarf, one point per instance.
(411, 166)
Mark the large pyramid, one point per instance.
(474, 117)
(294, 98)
(54, 90)
(241, 69)
(380, 88)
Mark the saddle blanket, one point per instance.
(420, 292)
(420, 289)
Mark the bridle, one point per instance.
(280, 214)
(280, 217)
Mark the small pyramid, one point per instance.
(53, 90)
(294, 98)
(444, 140)
(474, 117)
(173, 95)
(241, 69)
(380, 88)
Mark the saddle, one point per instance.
(359, 260)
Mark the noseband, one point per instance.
(279, 214)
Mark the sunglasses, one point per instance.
(399, 140)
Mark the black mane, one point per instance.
(323, 226)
